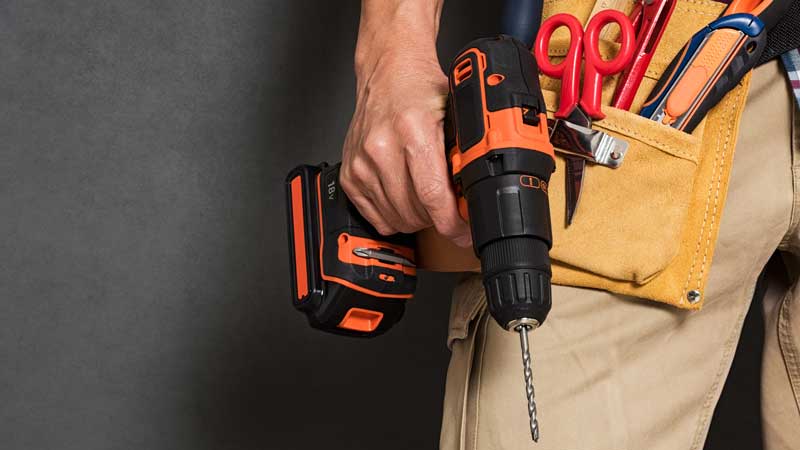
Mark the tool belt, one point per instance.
(647, 229)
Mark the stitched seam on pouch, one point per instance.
(700, 12)
(724, 366)
(648, 140)
(703, 226)
(699, 2)
(731, 125)
(789, 350)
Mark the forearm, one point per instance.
(390, 27)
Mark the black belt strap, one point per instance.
(784, 35)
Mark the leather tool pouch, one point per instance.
(647, 229)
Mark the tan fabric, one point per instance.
(617, 373)
(781, 364)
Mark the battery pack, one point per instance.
(345, 276)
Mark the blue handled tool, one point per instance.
(712, 63)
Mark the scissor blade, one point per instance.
(579, 117)
(574, 177)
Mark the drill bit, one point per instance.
(526, 364)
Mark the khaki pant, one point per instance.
(618, 373)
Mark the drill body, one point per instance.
(501, 158)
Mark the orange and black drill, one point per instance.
(350, 280)
(501, 159)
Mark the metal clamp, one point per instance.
(592, 145)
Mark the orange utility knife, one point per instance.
(712, 63)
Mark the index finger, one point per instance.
(433, 188)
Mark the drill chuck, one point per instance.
(516, 276)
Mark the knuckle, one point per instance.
(431, 193)
(409, 119)
(420, 144)
(412, 125)
(421, 149)
(376, 143)
(345, 171)
(348, 178)
(359, 172)
(347, 183)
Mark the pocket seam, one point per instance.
(716, 180)
(700, 2)
(648, 140)
(699, 12)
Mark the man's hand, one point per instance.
(393, 163)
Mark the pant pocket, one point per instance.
(468, 300)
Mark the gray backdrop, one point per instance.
(144, 301)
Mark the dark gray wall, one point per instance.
(143, 294)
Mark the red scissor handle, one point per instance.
(587, 46)
(568, 69)
(596, 67)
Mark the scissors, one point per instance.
(649, 18)
(581, 110)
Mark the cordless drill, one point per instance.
(501, 158)
(350, 280)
